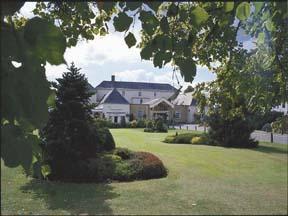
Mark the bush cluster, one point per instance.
(187, 138)
(123, 124)
(156, 126)
(230, 132)
(120, 164)
(281, 125)
(259, 120)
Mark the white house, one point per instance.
(118, 100)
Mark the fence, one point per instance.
(257, 135)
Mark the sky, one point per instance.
(109, 55)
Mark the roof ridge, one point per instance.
(114, 96)
(136, 85)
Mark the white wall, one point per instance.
(131, 95)
(190, 113)
(282, 108)
(111, 110)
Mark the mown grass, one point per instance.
(201, 180)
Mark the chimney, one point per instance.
(113, 78)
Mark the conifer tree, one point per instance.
(69, 133)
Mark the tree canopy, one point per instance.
(184, 34)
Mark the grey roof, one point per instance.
(193, 102)
(183, 99)
(91, 88)
(136, 85)
(114, 97)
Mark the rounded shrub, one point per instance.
(127, 170)
(160, 126)
(199, 140)
(124, 153)
(140, 123)
(152, 166)
(133, 124)
(184, 138)
(149, 124)
(169, 139)
(150, 130)
(103, 138)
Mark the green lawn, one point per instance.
(201, 180)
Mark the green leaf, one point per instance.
(164, 25)
(46, 40)
(258, 6)
(172, 10)
(34, 159)
(10, 7)
(149, 22)
(199, 15)
(158, 59)
(243, 11)
(167, 57)
(51, 99)
(16, 149)
(133, 5)
(270, 25)
(261, 38)
(10, 146)
(130, 40)
(187, 69)
(146, 52)
(154, 5)
(72, 42)
(106, 6)
(183, 15)
(162, 42)
(122, 22)
(45, 170)
(228, 6)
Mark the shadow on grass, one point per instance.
(259, 148)
(90, 198)
(271, 149)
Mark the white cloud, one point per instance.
(141, 75)
(53, 72)
(27, 8)
(110, 48)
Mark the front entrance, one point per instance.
(163, 115)
(162, 110)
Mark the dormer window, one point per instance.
(139, 93)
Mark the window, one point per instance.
(177, 115)
(141, 101)
(139, 93)
(123, 93)
(154, 94)
(140, 114)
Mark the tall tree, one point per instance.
(244, 87)
(68, 135)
